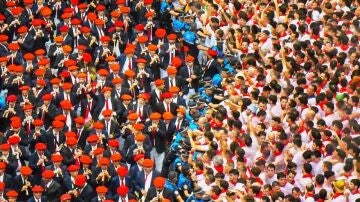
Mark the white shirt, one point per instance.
(148, 181)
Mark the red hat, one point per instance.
(65, 105)
(99, 22)
(66, 16)
(25, 88)
(41, 82)
(81, 75)
(40, 52)
(85, 159)
(73, 168)
(181, 110)
(130, 73)
(98, 151)
(159, 82)
(122, 171)
(155, 116)
(39, 72)
(40, 146)
(122, 190)
(2, 17)
(91, 16)
(92, 138)
(48, 174)
(147, 2)
(139, 27)
(11, 98)
(43, 61)
(5, 147)
(138, 126)
(129, 50)
(152, 47)
(80, 180)
(159, 182)
(166, 95)
(65, 74)
(119, 23)
(16, 11)
(67, 86)
(75, 21)
(176, 62)
(142, 39)
(58, 124)
(82, 6)
(60, 117)
(68, 10)
(85, 29)
(101, 189)
(45, 11)
(70, 134)
(189, 58)
(140, 137)
(87, 57)
(172, 37)
(37, 189)
(80, 120)
(29, 56)
(113, 143)
(69, 63)
(14, 140)
(12, 193)
(148, 163)
(149, 14)
(141, 60)
(117, 80)
(10, 3)
(56, 158)
(3, 59)
(98, 125)
(103, 72)
(3, 37)
(110, 58)
(100, 7)
(37, 22)
(115, 14)
(71, 141)
(138, 157)
(125, 10)
(212, 53)
(133, 116)
(174, 89)
(115, 67)
(2, 167)
(67, 49)
(22, 29)
(28, 1)
(168, 116)
(104, 161)
(15, 124)
(65, 197)
(171, 70)
(105, 39)
(25, 170)
(38, 122)
(14, 46)
(47, 96)
(160, 33)
(126, 97)
(59, 39)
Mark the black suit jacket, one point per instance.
(185, 74)
(157, 138)
(68, 156)
(82, 136)
(43, 199)
(145, 112)
(53, 192)
(18, 184)
(114, 128)
(211, 69)
(86, 194)
(152, 193)
(179, 82)
(51, 142)
(37, 169)
(140, 180)
(160, 108)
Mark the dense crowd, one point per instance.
(179, 100)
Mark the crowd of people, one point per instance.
(179, 100)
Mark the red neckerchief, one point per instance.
(219, 169)
(277, 153)
(355, 192)
(199, 172)
(327, 114)
(322, 103)
(303, 107)
(307, 175)
(347, 32)
(282, 34)
(276, 128)
(344, 47)
(292, 182)
(244, 50)
(343, 89)
(233, 183)
(309, 194)
(337, 195)
(315, 37)
(320, 200)
(347, 175)
(264, 40)
(308, 20)
(259, 195)
(214, 197)
(257, 179)
(259, 85)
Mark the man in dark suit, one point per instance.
(154, 61)
(81, 132)
(53, 189)
(54, 138)
(140, 146)
(89, 108)
(169, 50)
(156, 93)
(127, 60)
(101, 194)
(107, 102)
(144, 179)
(98, 31)
(12, 163)
(46, 110)
(142, 109)
(144, 75)
(118, 90)
(83, 191)
(174, 80)
(180, 121)
(212, 66)
(102, 173)
(156, 132)
(120, 179)
(123, 194)
(102, 52)
(131, 83)
(23, 183)
(6, 178)
(37, 161)
(191, 73)
(37, 194)
(70, 153)
(111, 126)
(166, 105)
(168, 118)
(158, 190)
(25, 40)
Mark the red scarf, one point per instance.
(337, 195)
(277, 153)
(344, 47)
(219, 169)
(309, 194)
(307, 175)
(282, 34)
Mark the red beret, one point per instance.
(80, 180)
(41, 82)
(37, 22)
(105, 39)
(11, 98)
(25, 170)
(138, 157)
(12, 193)
(92, 138)
(2, 166)
(138, 126)
(113, 143)
(101, 189)
(122, 171)
(98, 125)
(22, 29)
(28, 1)
(100, 7)
(5, 147)
(66, 16)
(148, 163)
(189, 58)
(133, 116)
(85, 29)
(3, 37)
(212, 53)
(117, 80)
(75, 21)
(166, 95)
(119, 23)
(142, 39)
(56, 158)
(87, 57)
(47, 97)
(16, 11)
(130, 73)
(25, 87)
(80, 120)
(15, 124)
(2, 185)
(125, 10)
(140, 137)
(171, 70)
(65, 105)
(85, 159)
(98, 151)
(65, 197)
(126, 97)
(82, 6)
(176, 62)
(14, 140)
(14, 46)
(159, 82)
(48, 174)
(38, 122)
(116, 157)
(160, 33)
(73, 168)
(58, 124)
(71, 141)
(40, 146)
(139, 27)
(104, 161)
(122, 190)
(159, 182)
(172, 37)
(155, 116)
(174, 89)
(37, 189)
(99, 22)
